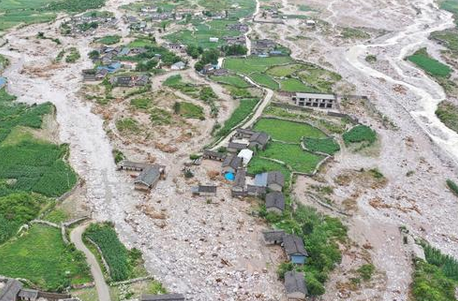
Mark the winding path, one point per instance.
(76, 237)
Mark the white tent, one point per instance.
(246, 156)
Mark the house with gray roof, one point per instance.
(235, 147)
(273, 180)
(256, 191)
(259, 140)
(238, 188)
(273, 237)
(315, 100)
(295, 286)
(130, 165)
(231, 164)
(11, 290)
(149, 177)
(212, 155)
(275, 202)
(167, 297)
(294, 248)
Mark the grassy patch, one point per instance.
(73, 55)
(120, 260)
(430, 65)
(128, 125)
(293, 155)
(109, 40)
(41, 257)
(287, 131)
(360, 134)
(447, 112)
(232, 80)
(141, 103)
(244, 109)
(354, 33)
(295, 85)
(264, 80)
(324, 145)
(189, 110)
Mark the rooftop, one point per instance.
(294, 245)
(295, 282)
(275, 200)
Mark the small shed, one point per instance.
(273, 237)
(294, 248)
(178, 66)
(275, 202)
(130, 165)
(213, 40)
(167, 297)
(28, 295)
(295, 286)
(204, 190)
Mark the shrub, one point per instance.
(366, 271)
(358, 134)
(452, 186)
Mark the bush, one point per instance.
(452, 186)
(360, 134)
(430, 284)
(366, 271)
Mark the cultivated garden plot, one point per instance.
(287, 131)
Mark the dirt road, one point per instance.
(103, 290)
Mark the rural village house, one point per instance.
(294, 248)
(295, 286)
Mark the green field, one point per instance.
(121, 261)
(264, 80)
(109, 40)
(293, 155)
(232, 80)
(285, 70)
(41, 257)
(287, 131)
(254, 64)
(323, 145)
(244, 109)
(15, 12)
(430, 65)
(294, 85)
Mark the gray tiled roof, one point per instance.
(260, 138)
(275, 177)
(295, 282)
(10, 290)
(233, 161)
(275, 200)
(273, 235)
(240, 178)
(148, 176)
(294, 245)
(237, 146)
